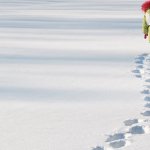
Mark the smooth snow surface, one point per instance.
(66, 75)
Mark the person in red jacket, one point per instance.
(146, 19)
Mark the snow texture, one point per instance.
(65, 75)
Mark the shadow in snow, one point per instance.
(59, 23)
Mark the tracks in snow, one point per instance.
(134, 126)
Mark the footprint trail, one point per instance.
(134, 126)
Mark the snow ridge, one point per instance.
(133, 126)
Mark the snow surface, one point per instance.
(65, 75)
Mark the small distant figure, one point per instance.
(146, 19)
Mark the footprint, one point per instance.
(146, 113)
(136, 71)
(138, 76)
(118, 140)
(130, 122)
(140, 129)
(116, 136)
(137, 130)
(147, 69)
(140, 58)
(147, 105)
(147, 98)
(145, 92)
(98, 148)
(147, 86)
(119, 144)
(147, 80)
(144, 54)
(139, 62)
(148, 59)
(140, 67)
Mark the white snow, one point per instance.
(66, 79)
